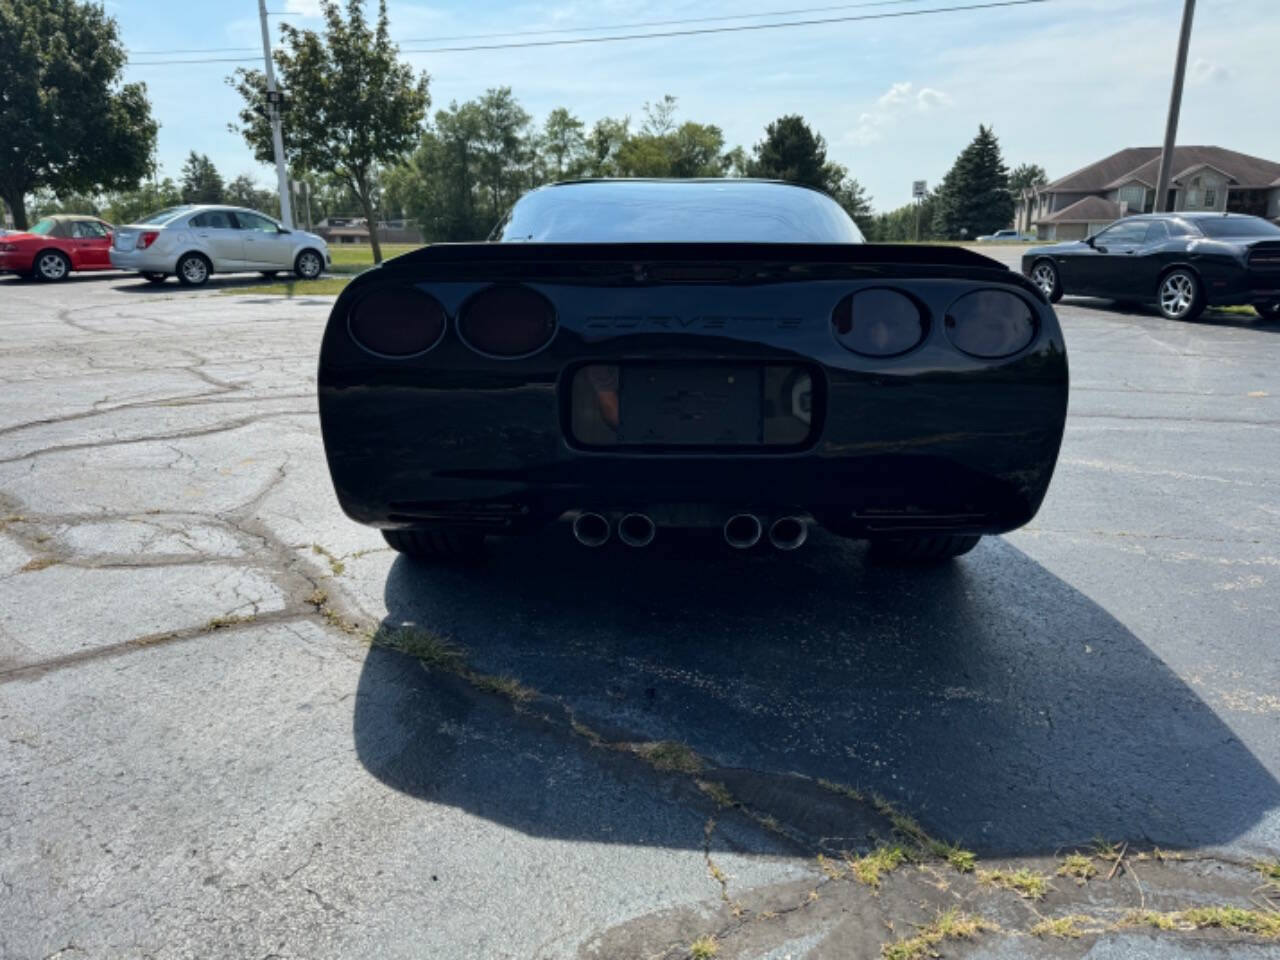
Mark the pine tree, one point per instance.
(974, 196)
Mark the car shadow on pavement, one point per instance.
(987, 697)
(215, 282)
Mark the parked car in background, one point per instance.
(55, 246)
(194, 242)
(1005, 236)
(1181, 262)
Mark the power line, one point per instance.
(653, 36)
(592, 29)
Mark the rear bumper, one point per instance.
(141, 261)
(930, 441)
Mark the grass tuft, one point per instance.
(717, 791)
(871, 868)
(1234, 919)
(949, 925)
(504, 686)
(670, 756)
(433, 650)
(1025, 883)
(1270, 871)
(704, 948)
(336, 565)
(841, 789)
(1077, 865)
(1064, 928)
(229, 620)
(37, 563)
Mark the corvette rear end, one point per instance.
(912, 396)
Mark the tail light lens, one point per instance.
(399, 323)
(991, 324)
(878, 322)
(507, 322)
(147, 238)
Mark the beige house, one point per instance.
(1204, 178)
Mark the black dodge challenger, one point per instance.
(1181, 262)
(636, 355)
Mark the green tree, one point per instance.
(603, 143)
(504, 149)
(243, 191)
(353, 105)
(792, 151)
(899, 226)
(201, 182)
(974, 196)
(67, 124)
(130, 206)
(1026, 175)
(564, 144)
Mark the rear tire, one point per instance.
(193, 270)
(52, 266)
(922, 550)
(1180, 295)
(438, 545)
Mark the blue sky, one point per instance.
(1063, 82)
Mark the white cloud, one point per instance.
(895, 104)
(304, 8)
(1204, 72)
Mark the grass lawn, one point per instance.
(325, 286)
(354, 257)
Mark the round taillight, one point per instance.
(991, 323)
(507, 322)
(400, 322)
(878, 322)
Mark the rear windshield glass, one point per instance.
(655, 211)
(44, 227)
(163, 216)
(1237, 227)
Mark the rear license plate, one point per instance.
(687, 406)
(709, 406)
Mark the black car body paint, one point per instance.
(928, 440)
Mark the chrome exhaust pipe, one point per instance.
(591, 529)
(637, 530)
(743, 531)
(789, 533)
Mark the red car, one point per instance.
(55, 246)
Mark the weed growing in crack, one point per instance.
(1064, 928)
(704, 948)
(1025, 883)
(716, 791)
(670, 756)
(431, 649)
(1077, 865)
(38, 563)
(949, 925)
(1270, 873)
(1233, 919)
(230, 620)
(503, 686)
(841, 789)
(871, 868)
(1105, 849)
(335, 564)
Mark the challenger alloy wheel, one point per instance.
(1180, 297)
(52, 266)
(308, 265)
(1045, 276)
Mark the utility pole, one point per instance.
(273, 111)
(1175, 107)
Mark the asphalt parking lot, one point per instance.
(206, 756)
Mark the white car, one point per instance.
(1005, 236)
(195, 241)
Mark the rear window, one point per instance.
(44, 227)
(1228, 227)
(163, 216)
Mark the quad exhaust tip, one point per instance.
(591, 529)
(743, 531)
(637, 530)
(788, 533)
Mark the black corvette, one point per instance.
(634, 355)
(1180, 262)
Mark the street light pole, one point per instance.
(1175, 107)
(273, 111)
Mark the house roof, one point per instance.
(1143, 163)
(1088, 210)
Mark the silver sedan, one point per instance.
(195, 241)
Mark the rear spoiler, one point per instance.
(879, 254)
